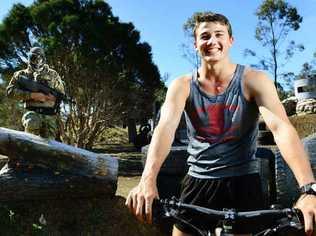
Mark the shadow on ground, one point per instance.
(99, 216)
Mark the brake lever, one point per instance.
(285, 224)
(164, 208)
(292, 221)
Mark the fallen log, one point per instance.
(55, 155)
(55, 167)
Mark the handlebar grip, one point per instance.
(158, 211)
(299, 215)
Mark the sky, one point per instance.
(160, 24)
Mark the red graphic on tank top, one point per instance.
(210, 123)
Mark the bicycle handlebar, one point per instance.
(230, 213)
(282, 218)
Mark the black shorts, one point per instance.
(242, 193)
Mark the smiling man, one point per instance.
(222, 102)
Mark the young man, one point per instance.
(222, 102)
(40, 119)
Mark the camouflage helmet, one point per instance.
(36, 58)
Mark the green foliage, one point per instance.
(278, 10)
(10, 224)
(284, 94)
(108, 71)
(114, 135)
(276, 18)
(10, 111)
(308, 69)
(189, 25)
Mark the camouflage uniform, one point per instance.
(35, 121)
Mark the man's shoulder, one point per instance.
(180, 87)
(254, 76)
(254, 73)
(182, 81)
(256, 81)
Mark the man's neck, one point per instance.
(220, 71)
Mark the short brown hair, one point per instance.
(201, 17)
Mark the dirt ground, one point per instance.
(67, 217)
(125, 184)
(162, 226)
(94, 216)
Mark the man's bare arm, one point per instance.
(263, 91)
(163, 135)
(283, 131)
(146, 191)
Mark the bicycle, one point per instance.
(287, 221)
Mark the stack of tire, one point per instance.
(265, 166)
(174, 167)
(265, 136)
(172, 172)
(287, 187)
(266, 158)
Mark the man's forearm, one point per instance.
(294, 154)
(157, 153)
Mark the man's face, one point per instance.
(212, 41)
(36, 61)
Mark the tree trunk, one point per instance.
(131, 124)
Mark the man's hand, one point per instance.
(140, 200)
(41, 97)
(307, 204)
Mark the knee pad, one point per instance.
(32, 122)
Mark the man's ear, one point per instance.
(195, 47)
(232, 40)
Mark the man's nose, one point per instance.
(211, 40)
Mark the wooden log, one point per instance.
(55, 155)
(3, 161)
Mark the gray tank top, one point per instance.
(222, 131)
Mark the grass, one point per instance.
(125, 184)
(305, 124)
(115, 135)
(115, 143)
(94, 216)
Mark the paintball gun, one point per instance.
(34, 86)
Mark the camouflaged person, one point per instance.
(41, 117)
